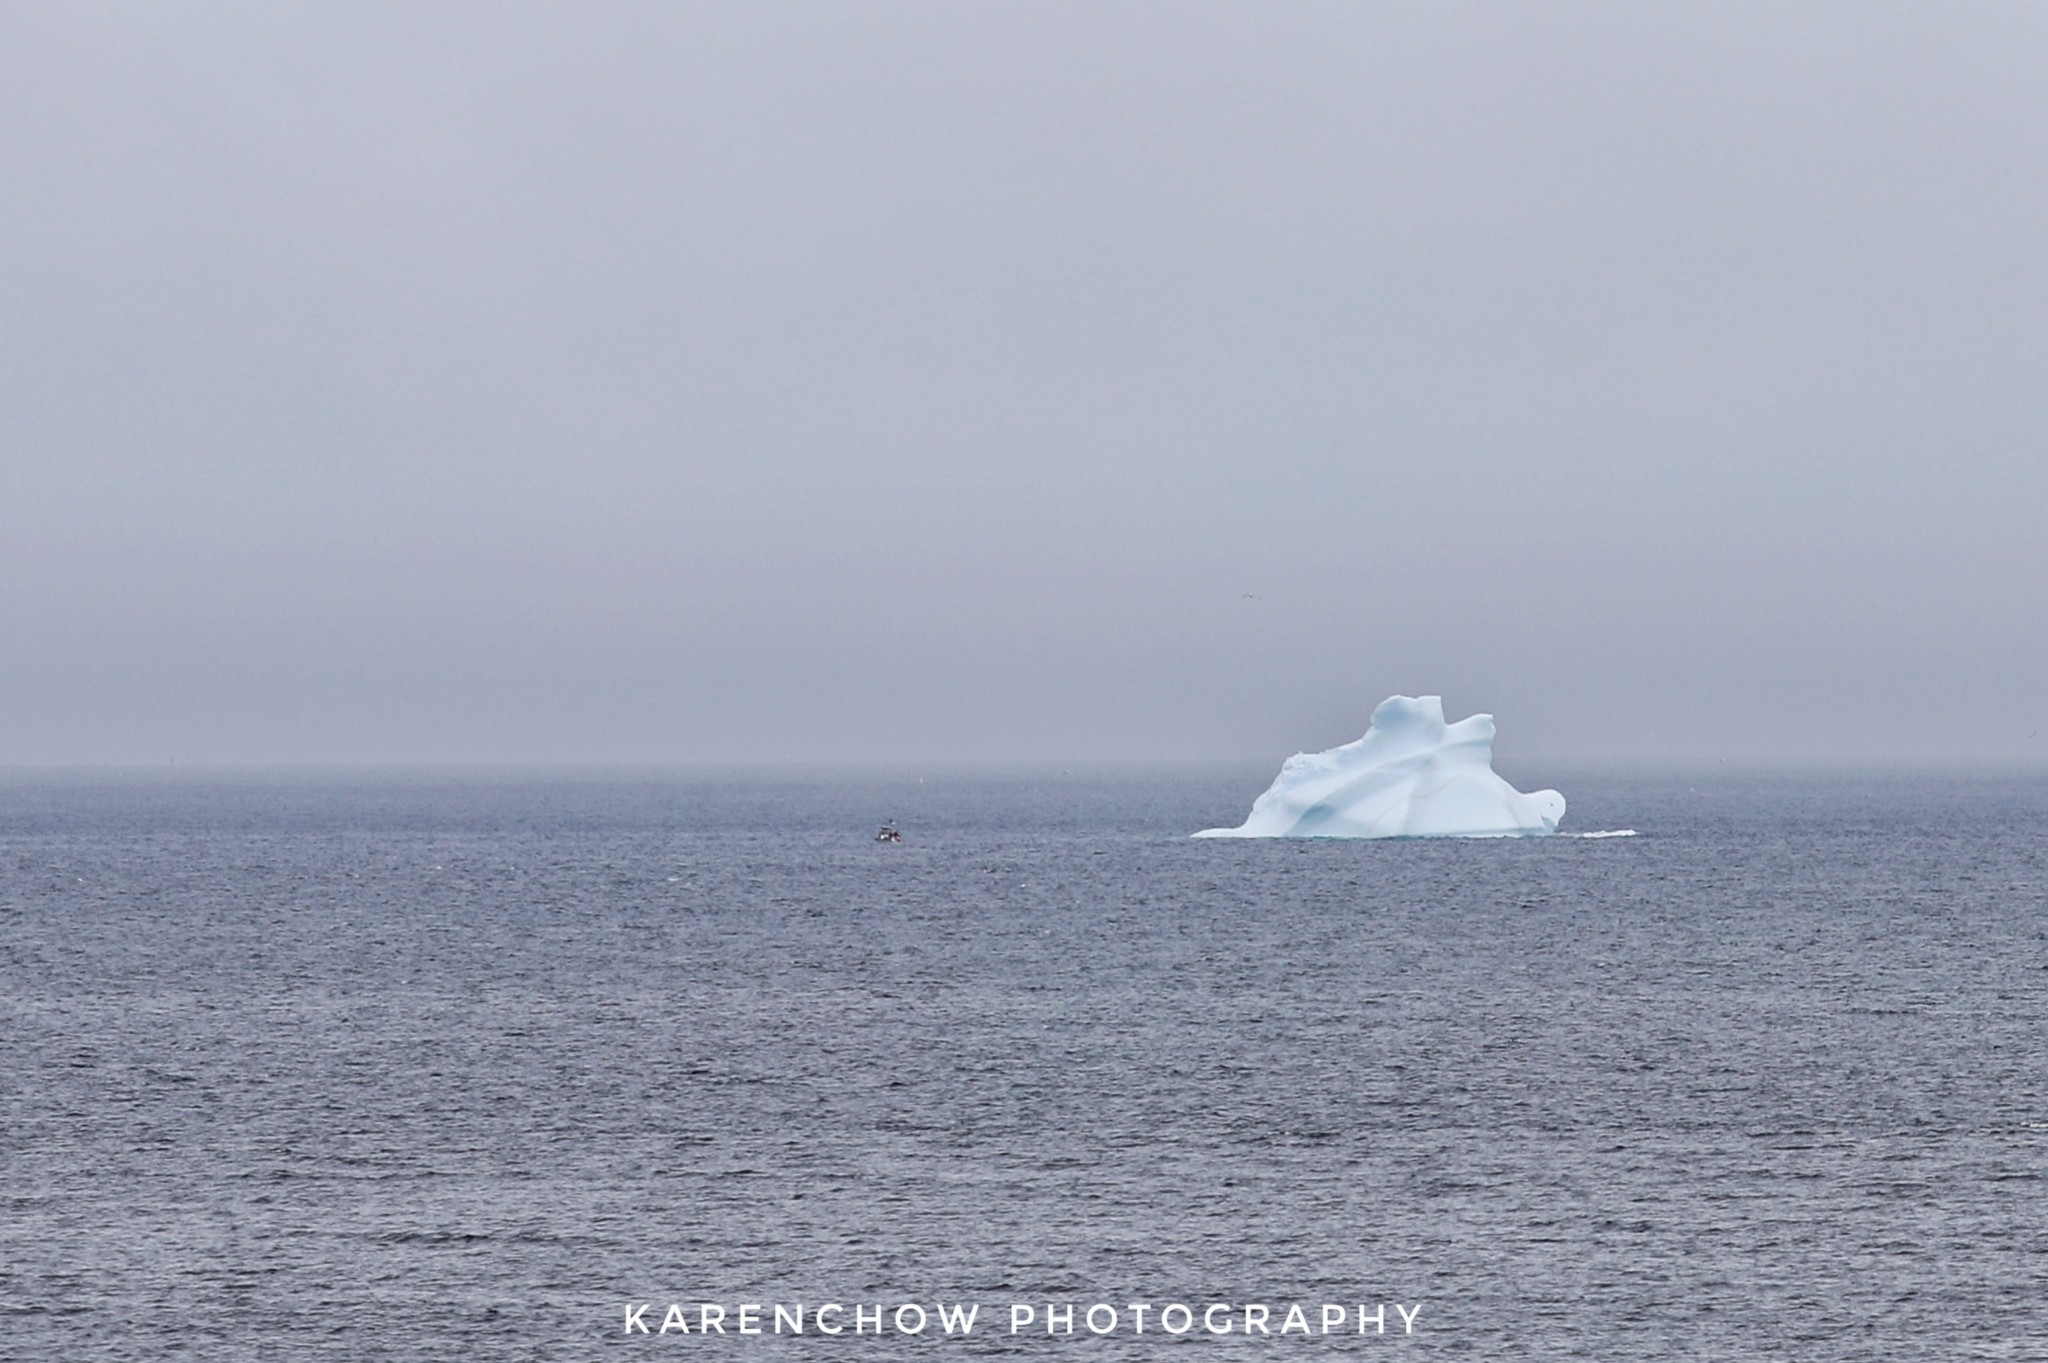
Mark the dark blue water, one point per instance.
(461, 1067)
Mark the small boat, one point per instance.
(889, 833)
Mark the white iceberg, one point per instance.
(1411, 776)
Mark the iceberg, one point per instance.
(1411, 776)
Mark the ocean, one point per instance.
(471, 1065)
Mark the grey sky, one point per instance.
(659, 381)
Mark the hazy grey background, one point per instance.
(654, 381)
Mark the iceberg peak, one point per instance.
(1411, 776)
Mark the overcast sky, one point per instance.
(655, 382)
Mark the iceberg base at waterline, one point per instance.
(1411, 776)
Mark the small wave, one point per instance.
(1605, 833)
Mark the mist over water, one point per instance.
(626, 381)
(459, 1066)
(640, 382)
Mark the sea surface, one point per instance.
(446, 1065)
